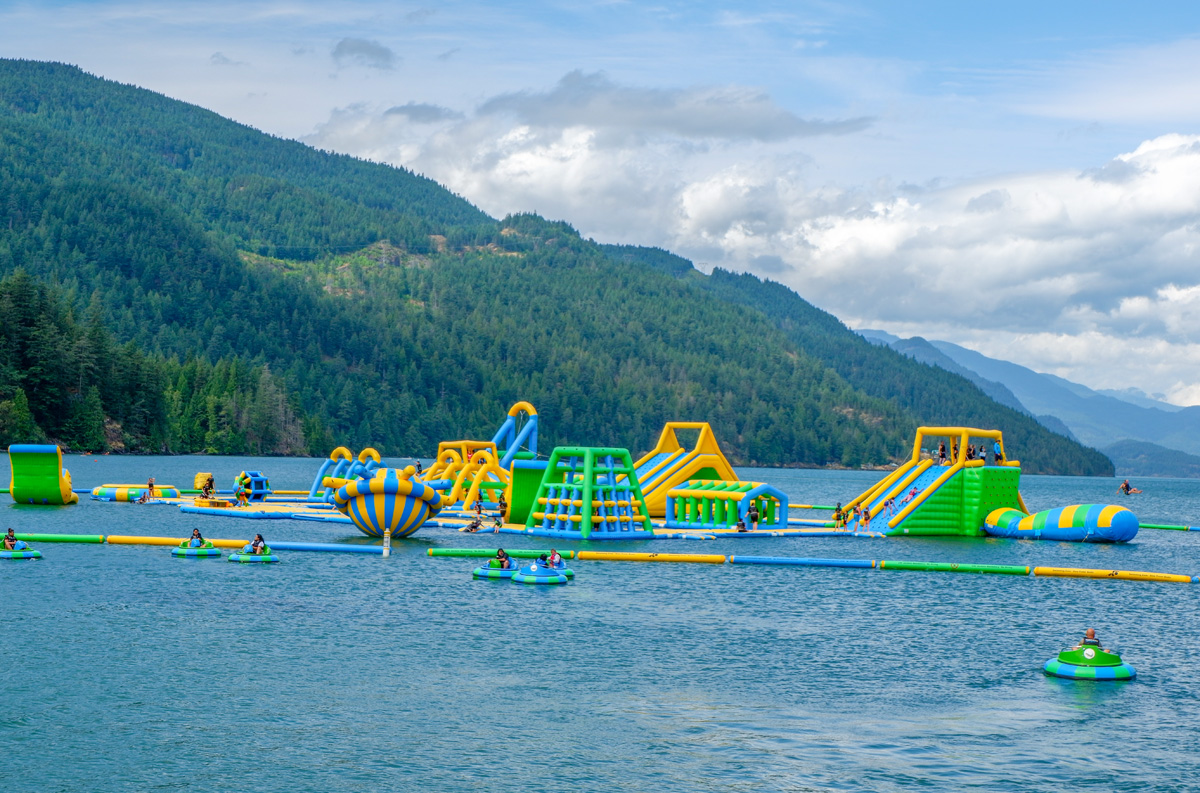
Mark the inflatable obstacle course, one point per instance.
(668, 465)
(589, 493)
(467, 471)
(38, 476)
(713, 504)
(932, 499)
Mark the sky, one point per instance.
(1022, 178)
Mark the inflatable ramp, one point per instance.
(669, 465)
(38, 476)
(934, 499)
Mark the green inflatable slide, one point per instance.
(38, 476)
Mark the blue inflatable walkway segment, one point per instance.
(880, 521)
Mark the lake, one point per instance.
(129, 670)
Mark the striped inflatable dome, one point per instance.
(388, 500)
(1079, 523)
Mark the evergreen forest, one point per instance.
(175, 282)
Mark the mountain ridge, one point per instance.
(196, 237)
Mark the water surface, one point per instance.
(129, 670)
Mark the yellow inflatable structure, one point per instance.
(669, 464)
(466, 471)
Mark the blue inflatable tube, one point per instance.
(331, 547)
(802, 562)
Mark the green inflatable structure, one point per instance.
(38, 476)
(930, 495)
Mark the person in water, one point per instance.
(503, 558)
(1089, 640)
(1126, 488)
(197, 540)
(259, 545)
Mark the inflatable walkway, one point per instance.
(933, 499)
(670, 465)
(38, 476)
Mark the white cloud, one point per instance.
(1086, 273)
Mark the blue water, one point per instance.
(128, 670)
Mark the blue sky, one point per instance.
(1020, 178)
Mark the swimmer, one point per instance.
(258, 546)
(196, 540)
(1089, 640)
(1127, 489)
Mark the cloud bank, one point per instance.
(1086, 273)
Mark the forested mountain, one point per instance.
(263, 296)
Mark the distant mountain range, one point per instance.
(1142, 435)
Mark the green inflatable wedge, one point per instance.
(38, 476)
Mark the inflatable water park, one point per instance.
(506, 485)
(572, 501)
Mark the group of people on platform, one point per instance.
(973, 452)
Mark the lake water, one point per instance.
(129, 670)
